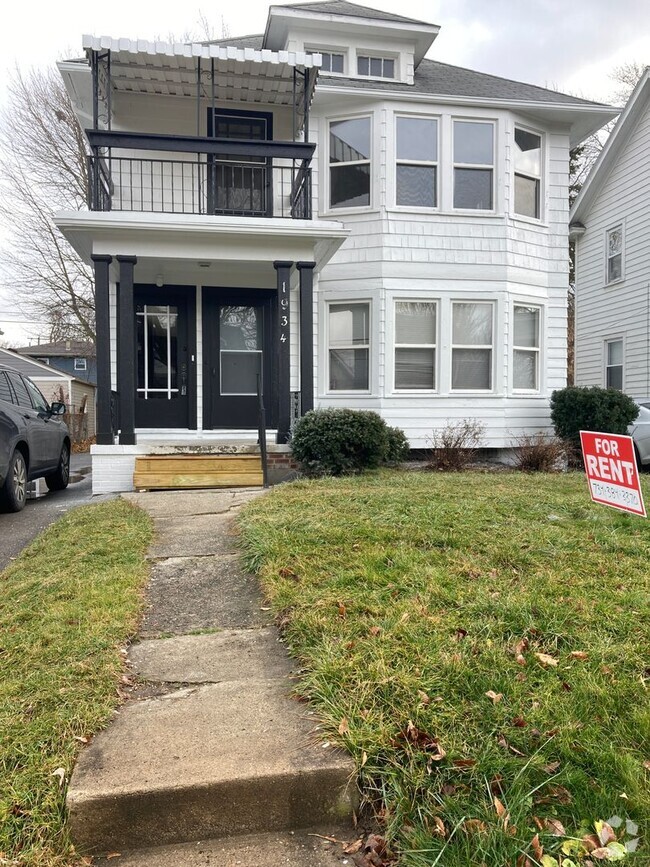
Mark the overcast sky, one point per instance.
(570, 45)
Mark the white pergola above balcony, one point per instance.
(183, 69)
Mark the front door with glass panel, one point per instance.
(164, 357)
(237, 341)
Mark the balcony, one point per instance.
(195, 175)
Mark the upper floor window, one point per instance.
(376, 67)
(472, 346)
(350, 163)
(43, 360)
(528, 172)
(349, 347)
(525, 356)
(474, 165)
(614, 254)
(417, 162)
(614, 364)
(415, 345)
(332, 61)
(80, 364)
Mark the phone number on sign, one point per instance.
(615, 495)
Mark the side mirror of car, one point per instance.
(57, 408)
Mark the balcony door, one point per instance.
(165, 352)
(237, 184)
(237, 341)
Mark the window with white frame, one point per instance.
(472, 345)
(415, 345)
(375, 67)
(526, 348)
(350, 163)
(614, 364)
(80, 364)
(349, 346)
(614, 243)
(332, 60)
(473, 165)
(528, 173)
(416, 145)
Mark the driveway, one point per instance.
(18, 529)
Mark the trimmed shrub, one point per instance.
(598, 409)
(454, 446)
(398, 446)
(340, 441)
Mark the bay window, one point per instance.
(415, 345)
(473, 165)
(349, 347)
(417, 162)
(350, 163)
(526, 343)
(528, 172)
(472, 346)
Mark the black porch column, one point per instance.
(306, 270)
(126, 351)
(103, 349)
(282, 351)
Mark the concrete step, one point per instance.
(205, 762)
(300, 848)
(159, 472)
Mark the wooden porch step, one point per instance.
(157, 472)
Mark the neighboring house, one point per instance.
(366, 227)
(76, 357)
(610, 221)
(54, 384)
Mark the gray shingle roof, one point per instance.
(255, 41)
(441, 79)
(62, 348)
(342, 7)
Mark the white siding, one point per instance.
(621, 309)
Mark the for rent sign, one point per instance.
(611, 470)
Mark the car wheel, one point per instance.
(58, 480)
(14, 491)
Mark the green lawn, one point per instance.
(67, 605)
(410, 596)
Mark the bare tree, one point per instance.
(43, 169)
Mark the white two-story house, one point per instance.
(610, 221)
(323, 215)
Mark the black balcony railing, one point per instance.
(204, 176)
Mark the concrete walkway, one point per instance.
(210, 746)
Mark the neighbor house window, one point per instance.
(525, 360)
(528, 173)
(349, 347)
(614, 254)
(473, 165)
(614, 365)
(350, 163)
(376, 67)
(332, 62)
(80, 364)
(472, 346)
(417, 162)
(43, 360)
(415, 345)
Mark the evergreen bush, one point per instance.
(590, 408)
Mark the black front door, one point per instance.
(240, 184)
(165, 353)
(237, 331)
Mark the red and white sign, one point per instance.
(611, 470)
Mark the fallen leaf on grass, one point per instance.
(495, 696)
(353, 847)
(519, 722)
(113, 855)
(60, 773)
(552, 767)
(364, 758)
(646, 765)
(464, 763)
(555, 827)
(504, 743)
(536, 846)
(344, 726)
(440, 826)
(474, 826)
(460, 634)
(546, 660)
(605, 833)
(342, 610)
(554, 794)
(285, 572)
(81, 740)
(578, 654)
(522, 645)
(422, 740)
(374, 630)
(424, 698)
(374, 853)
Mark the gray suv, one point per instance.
(34, 440)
